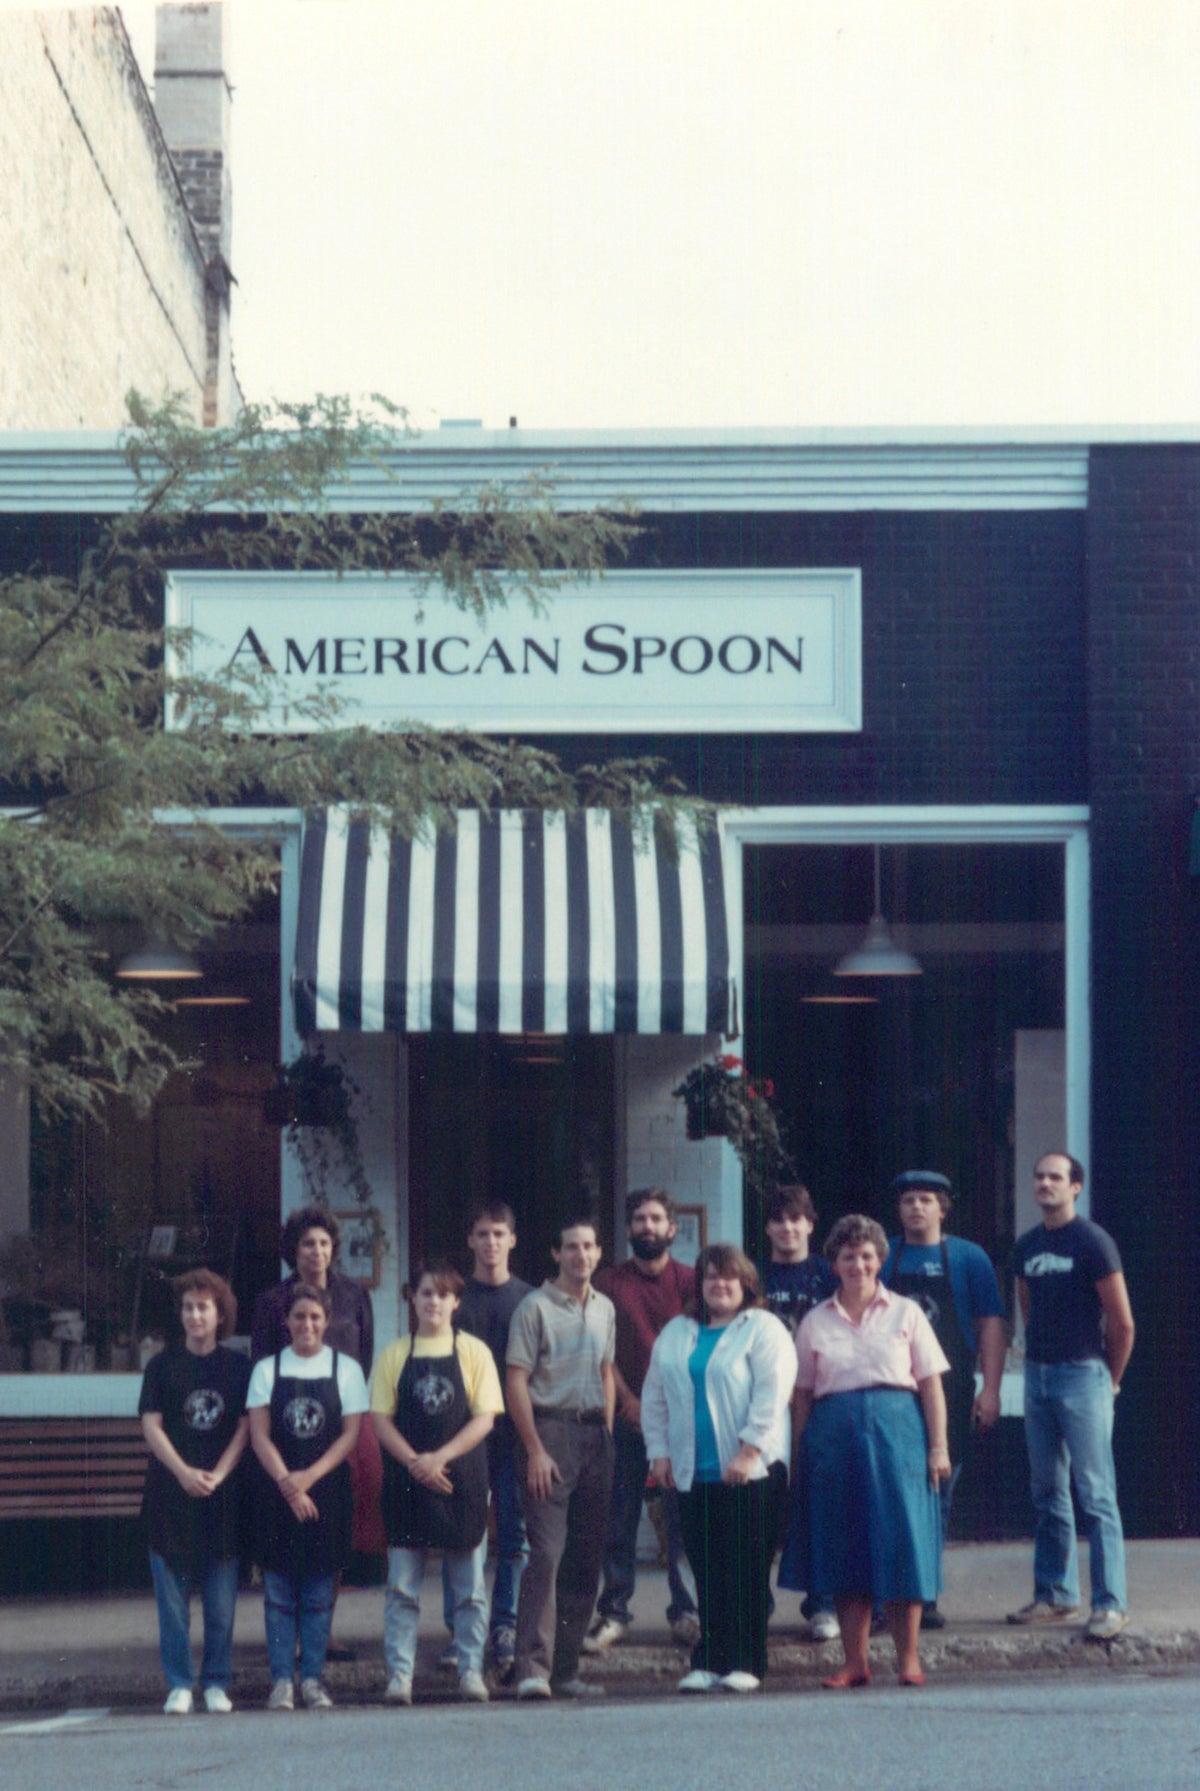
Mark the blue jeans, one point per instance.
(402, 1606)
(512, 1546)
(173, 1590)
(624, 1516)
(1068, 1430)
(297, 1610)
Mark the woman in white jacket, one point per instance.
(715, 1420)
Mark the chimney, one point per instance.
(192, 98)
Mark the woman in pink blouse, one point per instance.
(870, 1409)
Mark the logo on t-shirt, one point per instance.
(203, 1409)
(929, 1306)
(433, 1392)
(304, 1417)
(1048, 1264)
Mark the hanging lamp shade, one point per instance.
(878, 955)
(159, 961)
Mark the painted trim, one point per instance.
(659, 471)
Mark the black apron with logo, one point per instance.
(306, 1420)
(431, 1408)
(934, 1294)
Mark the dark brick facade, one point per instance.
(973, 677)
(1143, 669)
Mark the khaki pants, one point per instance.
(566, 1548)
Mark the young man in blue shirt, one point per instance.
(955, 1285)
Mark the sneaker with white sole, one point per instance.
(399, 1689)
(823, 1627)
(447, 1660)
(603, 1633)
(217, 1699)
(1042, 1612)
(686, 1630)
(533, 1687)
(314, 1696)
(179, 1701)
(471, 1687)
(576, 1688)
(738, 1681)
(699, 1680)
(1104, 1624)
(282, 1696)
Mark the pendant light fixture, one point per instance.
(878, 955)
(159, 962)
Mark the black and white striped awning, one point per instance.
(517, 921)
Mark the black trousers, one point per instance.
(729, 1534)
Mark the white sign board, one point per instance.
(634, 652)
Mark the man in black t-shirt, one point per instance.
(1078, 1339)
(489, 1299)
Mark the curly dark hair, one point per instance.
(307, 1218)
(207, 1281)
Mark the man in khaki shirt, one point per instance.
(561, 1398)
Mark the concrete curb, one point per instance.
(633, 1670)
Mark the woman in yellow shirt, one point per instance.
(434, 1397)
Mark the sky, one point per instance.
(663, 213)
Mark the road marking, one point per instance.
(50, 1725)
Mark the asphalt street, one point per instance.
(1024, 1733)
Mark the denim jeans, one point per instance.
(624, 1516)
(173, 1590)
(402, 1606)
(512, 1546)
(297, 1610)
(1068, 1429)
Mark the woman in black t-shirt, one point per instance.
(193, 1412)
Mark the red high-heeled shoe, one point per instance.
(846, 1680)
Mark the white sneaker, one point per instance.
(1104, 1624)
(314, 1695)
(472, 1688)
(216, 1698)
(740, 1682)
(399, 1689)
(699, 1680)
(824, 1627)
(603, 1633)
(179, 1702)
(282, 1696)
(533, 1687)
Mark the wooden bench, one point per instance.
(71, 1467)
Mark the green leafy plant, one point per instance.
(96, 788)
(722, 1100)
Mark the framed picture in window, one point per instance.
(362, 1246)
(691, 1233)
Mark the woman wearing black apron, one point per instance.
(434, 1398)
(192, 1409)
(306, 1405)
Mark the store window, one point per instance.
(960, 1068)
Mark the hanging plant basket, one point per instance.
(307, 1092)
(707, 1114)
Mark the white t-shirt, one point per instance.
(351, 1385)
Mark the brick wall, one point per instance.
(973, 683)
(104, 280)
(1143, 667)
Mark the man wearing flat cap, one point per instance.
(954, 1283)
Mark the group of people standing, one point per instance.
(824, 1408)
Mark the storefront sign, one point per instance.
(634, 652)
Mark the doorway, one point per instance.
(523, 1119)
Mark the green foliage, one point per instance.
(92, 774)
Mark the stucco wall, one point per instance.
(103, 282)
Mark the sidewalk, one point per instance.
(56, 1653)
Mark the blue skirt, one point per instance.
(866, 1522)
